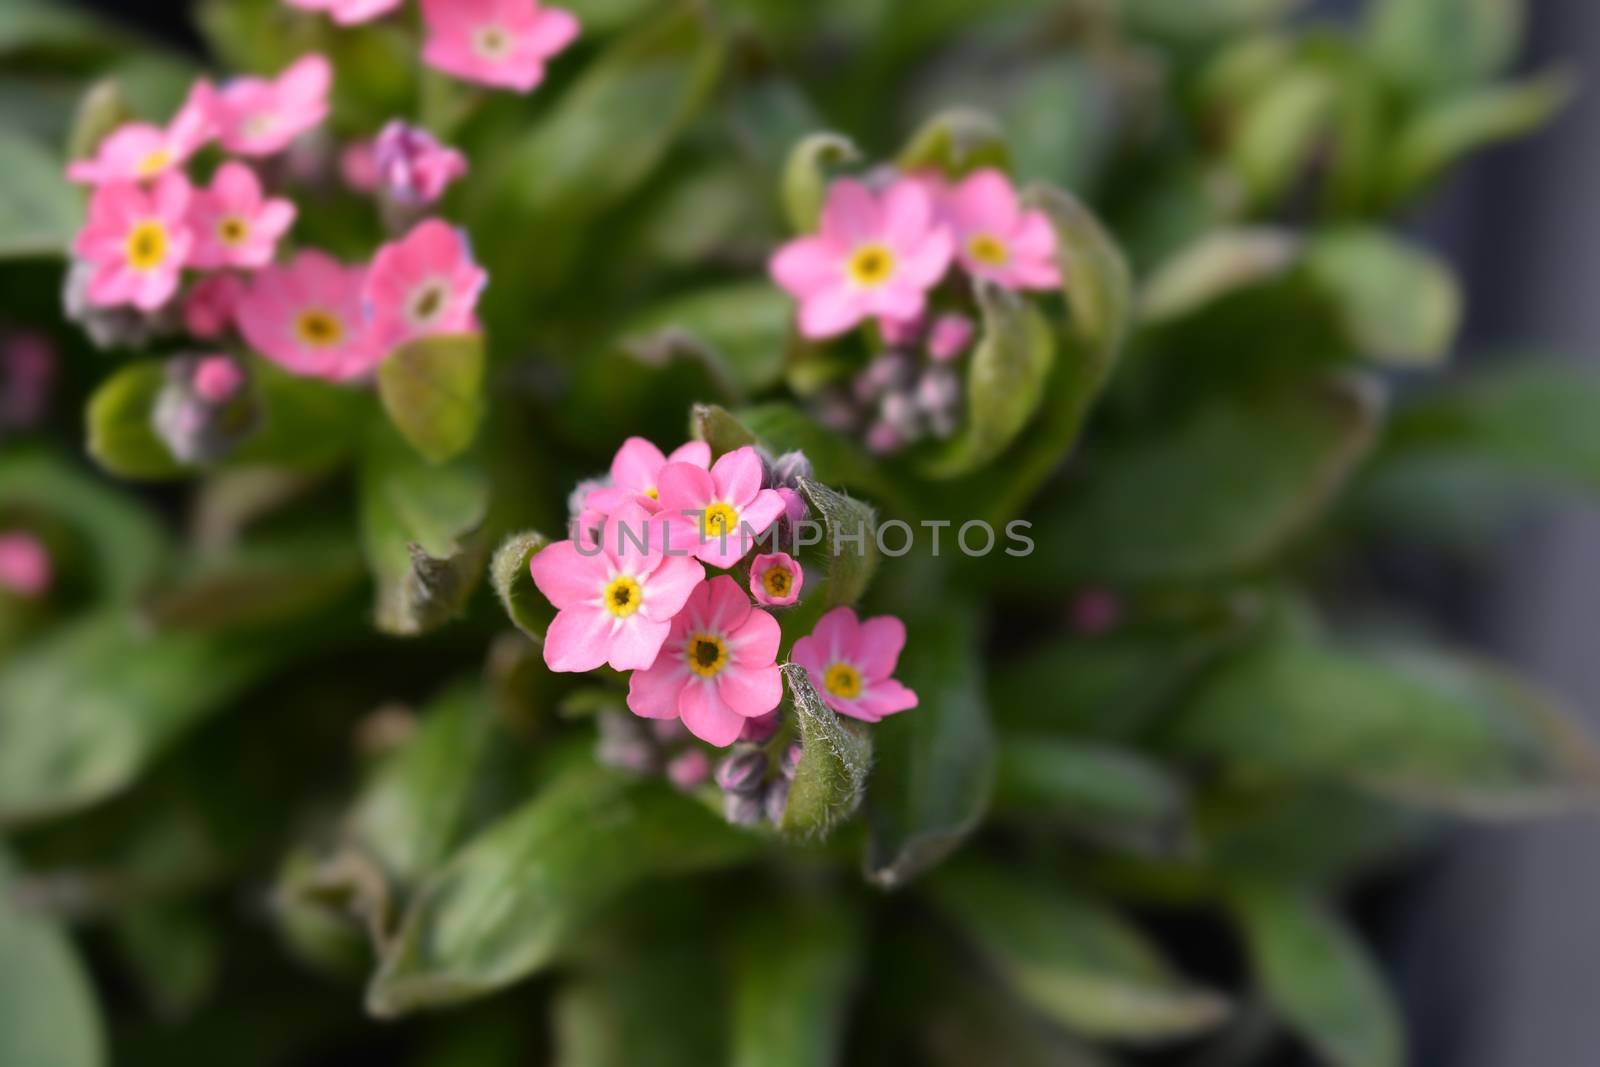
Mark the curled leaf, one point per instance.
(836, 757)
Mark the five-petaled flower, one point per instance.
(234, 224)
(504, 43)
(876, 255)
(139, 151)
(137, 242)
(261, 116)
(776, 579)
(850, 662)
(997, 240)
(615, 599)
(716, 514)
(425, 283)
(306, 317)
(635, 470)
(412, 165)
(718, 667)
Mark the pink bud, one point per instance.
(24, 565)
(901, 333)
(208, 308)
(1095, 611)
(759, 730)
(689, 769)
(217, 379)
(950, 338)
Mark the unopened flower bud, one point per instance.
(789, 762)
(413, 168)
(744, 809)
(27, 373)
(883, 439)
(900, 410)
(901, 333)
(835, 410)
(759, 730)
(209, 305)
(668, 731)
(939, 398)
(890, 371)
(205, 410)
(1095, 612)
(689, 769)
(111, 327)
(776, 800)
(950, 337)
(624, 744)
(789, 468)
(25, 569)
(742, 772)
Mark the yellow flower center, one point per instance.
(776, 581)
(233, 231)
(319, 328)
(492, 42)
(871, 266)
(154, 163)
(843, 681)
(706, 655)
(720, 521)
(653, 493)
(428, 302)
(147, 245)
(989, 250)
(623, 596)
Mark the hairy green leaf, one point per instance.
(805, 177)
(513, 584)
(432, 389)
(832, 773)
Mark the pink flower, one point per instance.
(504, 43)
(217, 379)
(413, 166)
(615, 601)
(348, 12)
(139, 151)
(950, 337)
(306, 317)
(876, 255)
(234, 225)
(850, 662)
(996, 239)
(635, 469)
(776, 579)
(138, 242)
(210, 304)
(260, 116)
(689, 769)
(425, 283)
(24, 565)
(721, 510)
(717, 669)
(358, 166)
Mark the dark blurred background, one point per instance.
(1496, 942)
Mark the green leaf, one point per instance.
(1404, 38)
(422, 527)
(850, 542)
(100, 111)
(1219, 263)
(936, 761)
(956, 143)
(267, 582)
(48, 1013)
(1279, 133)
(719, 428)
(432, 389)
(795, 965)
(1074, 959)
(739, 332)
(805, 177)
(518, 894)
(1005, 383)
(121, 423)
(1108, 794)
(1398, 304)
(87, 708)
(1444, 133)
(39, 211)
(832, 773)
(513, 584)
(1320, 978)
(1418, 727)
(1172, 507)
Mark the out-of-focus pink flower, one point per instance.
(715, 514)
(261, 116)
(27, 373)
(358, 166)
(876, 255)
(634, 470)
(425, 283)
(717, 669)
(25, 568)
(306, 317)
(138, 242)
(950, 337)
(850, 662)
(690, 769)
(898, 333)
(504, 43)
(776, 579)
(996, 239)
(1095, 611)
(209, 307)
(615, 600)
(217, 378)
(348, 12)
(139, 151)
(412, 166)
(234, 224)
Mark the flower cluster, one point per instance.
(632, 591)
(893, 256)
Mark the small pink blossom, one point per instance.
(426, 283)
(876, 255)
(217, 379)
(996, 239)
(234, 224)
(615, 601)
(137, 241)
(139, 151)
(25, 568)
(776, 579)
(635, 470)
(358, 166)
(261, 116)
(850, 663)
(209, 307)
(689, 769)
(898, 333)
(718, 667)
(504, 43)
(348, 12)
(950, 337)
(718, 511)
(413, 166)
(306, 317)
